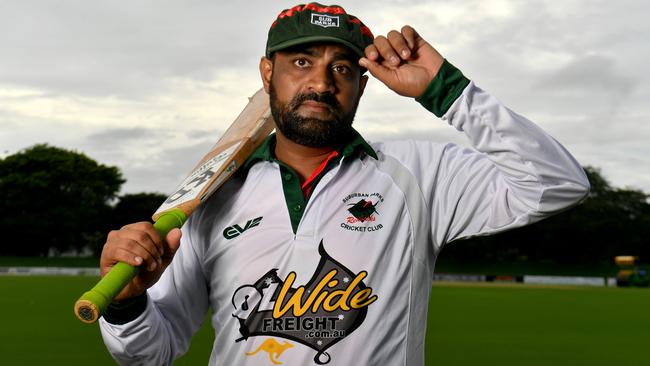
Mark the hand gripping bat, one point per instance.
(245, 134)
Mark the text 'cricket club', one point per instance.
(362, 212)
(318, 314)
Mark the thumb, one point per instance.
(173, 242)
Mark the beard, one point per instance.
(312, 132)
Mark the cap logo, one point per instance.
(325, 21)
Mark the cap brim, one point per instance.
(312, 39)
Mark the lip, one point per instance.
(316, 106)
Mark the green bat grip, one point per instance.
(92, 304)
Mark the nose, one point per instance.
(321, 80)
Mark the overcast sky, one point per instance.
(148, 86)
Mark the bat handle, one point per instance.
(92, 304)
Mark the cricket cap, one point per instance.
(313, 22)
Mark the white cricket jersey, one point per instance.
(351, 285)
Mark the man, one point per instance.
(336, 239)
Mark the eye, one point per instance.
(301, 62)
(341, 69)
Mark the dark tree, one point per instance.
(609, 222)
(53, 198)
(135, 207)
(129, 208)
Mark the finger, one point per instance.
(130, 252)
(144, 233)
(376, 69)
(145, 240)
(371, 52)
(142, 254)
(386, 51)
(140, 245)
(119, 255)
(172, 243)
(399, 44)
(410, 35)
(174, 239)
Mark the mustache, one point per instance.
(325, 98)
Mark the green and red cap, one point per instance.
(313, 22)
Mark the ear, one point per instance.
(362, 84)
(266, 71)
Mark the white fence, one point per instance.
(49, 271)
(539, 280)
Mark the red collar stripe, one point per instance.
(308, 185)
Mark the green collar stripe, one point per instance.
(293, 194)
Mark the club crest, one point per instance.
(362, 214)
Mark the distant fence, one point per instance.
(537, 280)
(438, 277)
(49, 271)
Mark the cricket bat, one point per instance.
(239, 141)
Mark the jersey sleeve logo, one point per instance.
(319, 314)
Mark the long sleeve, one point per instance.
(521, 176)
(516, 175)
(176, 307)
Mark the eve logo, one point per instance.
(234, 231)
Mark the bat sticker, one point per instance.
(198, 179)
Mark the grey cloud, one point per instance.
(141, 134)
(575, 67)
(588, 74)
(128, 49)
(122, 134)
(203, 135)
(163, 171)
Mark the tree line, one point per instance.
(56, 200)
(609, 222)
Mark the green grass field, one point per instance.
(469, 324)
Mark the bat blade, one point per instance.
(226, 156)
(239, 141)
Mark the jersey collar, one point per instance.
(266, 151)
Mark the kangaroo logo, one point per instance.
(273, 348)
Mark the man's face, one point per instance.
(315, 91)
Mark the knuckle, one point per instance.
(393, 34)
(145, 224)
(126, 227)
(130, 245)
(112, 234)
(141, 237)
(136, 248)
(106, 251)
(380, 39)
(135, 225)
